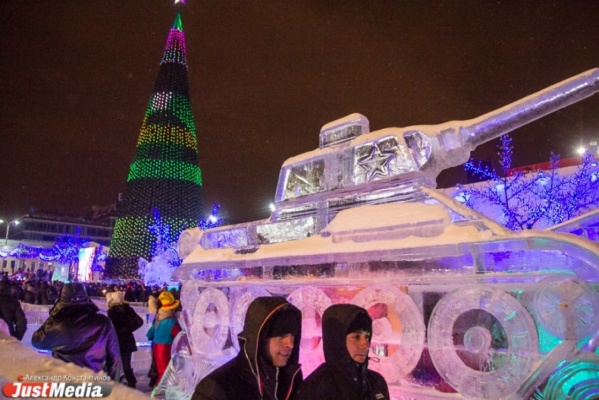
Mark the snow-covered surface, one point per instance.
(472, 132)
(18, 359)
(359, 233)
(354, 118)
(383, 227)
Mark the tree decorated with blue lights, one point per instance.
(165, 255)
(65, 251)
(535, 200)
(165, 175)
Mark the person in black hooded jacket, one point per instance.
(346, 334)
(125, 321)
(11, 312)
(266, 366)
(76, 332)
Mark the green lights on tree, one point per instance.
(165, 175)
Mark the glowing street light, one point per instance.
(592, 148)
(271, 206)
(14, 222)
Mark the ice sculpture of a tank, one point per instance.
(462, 307)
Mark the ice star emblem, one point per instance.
(376, 163)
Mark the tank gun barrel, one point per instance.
(535, 106)
(469, 134)
(354, 166)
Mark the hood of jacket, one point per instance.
(252, 340)
(335, 323)
(86, 307)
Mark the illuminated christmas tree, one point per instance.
(165, 175)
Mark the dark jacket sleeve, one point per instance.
(379, 383)
(309, 389)
(136, 321)
(114, 365)
(125, 319)
(208, 389)
(20, 323)
(45, 336)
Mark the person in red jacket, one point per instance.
(162, 333)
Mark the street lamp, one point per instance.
(15, 222)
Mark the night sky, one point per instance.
(76, 77)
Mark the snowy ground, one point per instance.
(18, 359)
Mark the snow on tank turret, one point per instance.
(462, 307)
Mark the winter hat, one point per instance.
(362, 322)
(114, 298)
(168, 301)
(283, 323)
(74, 293)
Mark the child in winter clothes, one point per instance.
(163, 331)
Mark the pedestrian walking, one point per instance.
(162, 333)
(11, 312)
(125, 321)
(76, 332)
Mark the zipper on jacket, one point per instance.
(277, 383)
(292, 381)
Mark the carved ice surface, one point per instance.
(567, 308)
(461, 306)
(156, 272)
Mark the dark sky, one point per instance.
(76, 77)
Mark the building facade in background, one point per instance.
(42, 229)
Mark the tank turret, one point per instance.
(354, 166)
(461, 306)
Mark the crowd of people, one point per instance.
(77, 331)
(34, 289)
(266, 367)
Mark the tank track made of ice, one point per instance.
(462, 307)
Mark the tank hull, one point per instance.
(462, 308)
